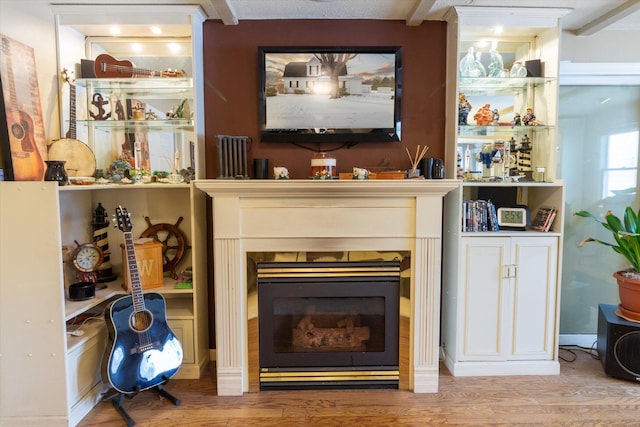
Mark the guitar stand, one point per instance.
(117, 399)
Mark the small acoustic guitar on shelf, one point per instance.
(107, 66)
(142, 351)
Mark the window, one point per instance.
(621, 163)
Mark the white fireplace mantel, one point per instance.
(316, 215)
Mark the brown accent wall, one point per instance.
(231, 87)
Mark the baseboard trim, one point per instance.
(580, 340)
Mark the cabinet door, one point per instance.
(534, 297)
(485, 285)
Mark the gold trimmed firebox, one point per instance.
(321, 357)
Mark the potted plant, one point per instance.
(626, 234)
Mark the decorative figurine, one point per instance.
(138, 113)
(483, 116)
(98, 101)
(464, 107)
(529, 118)
(517, 121)
(280, 172)
(495, 116)
(360, 173)
(100, 225)
(524, 157)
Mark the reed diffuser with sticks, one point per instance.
(415, 161)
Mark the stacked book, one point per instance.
(479, 215)
(544, 219)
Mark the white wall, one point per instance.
(604, 46)
(32, 23)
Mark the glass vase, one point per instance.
(496, 64)
(470, 66)
(518, 70)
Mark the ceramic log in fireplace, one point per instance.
(328, 324)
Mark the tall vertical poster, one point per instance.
(23, 144)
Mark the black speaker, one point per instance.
(618, 344)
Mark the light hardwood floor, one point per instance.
(582, 395)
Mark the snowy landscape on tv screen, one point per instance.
(300, 93)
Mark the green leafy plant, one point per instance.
(624, 232)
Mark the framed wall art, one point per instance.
(22, 141)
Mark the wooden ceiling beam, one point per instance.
(420, 11)
(225, 11)
(611, 17)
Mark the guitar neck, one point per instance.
(72, 111)
(134, 276)
(13, 98)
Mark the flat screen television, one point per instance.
(323, 94)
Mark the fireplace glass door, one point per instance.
(328, 317)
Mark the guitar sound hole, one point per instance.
(17, 131)
(141, 321)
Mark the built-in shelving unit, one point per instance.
(64, 380)
(501, 288)
(52, 218)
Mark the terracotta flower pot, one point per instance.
(629, 291)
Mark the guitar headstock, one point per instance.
(69, 76)
(123, 220)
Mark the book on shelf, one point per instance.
(479, 215)
(544, 219)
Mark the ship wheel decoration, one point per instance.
(174, 243)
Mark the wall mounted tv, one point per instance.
(330, 94)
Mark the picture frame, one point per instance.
(23, 145)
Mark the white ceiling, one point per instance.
(586, 17)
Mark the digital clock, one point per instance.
(513, 218)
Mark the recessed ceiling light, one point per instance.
(136, 47)
(114, 30)
(156, 30)
(174, 47)
(498, 30)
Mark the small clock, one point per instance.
(513, 218)
(87, 258)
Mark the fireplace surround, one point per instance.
(284, 216)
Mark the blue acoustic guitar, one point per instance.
(142, 351)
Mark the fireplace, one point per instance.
(288, 216)
(328, 324)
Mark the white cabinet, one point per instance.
(500, 293)
(509, 283)
(63, 381)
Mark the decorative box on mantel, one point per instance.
(322, 216)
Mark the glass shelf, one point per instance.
(161, 125)
(152, 85)
(482, 131)
(497, 86)
(119, 186)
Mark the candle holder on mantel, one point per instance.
(323, 166)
